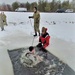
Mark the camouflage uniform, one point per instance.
(1, 22)
(36, 17)
(4, 19)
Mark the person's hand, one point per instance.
(40, 58)
(43, 49)
(39, 45)
(29, 17)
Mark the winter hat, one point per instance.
(44, 29)
(31, 48)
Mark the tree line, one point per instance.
(43, 5)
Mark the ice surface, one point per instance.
(19, 33)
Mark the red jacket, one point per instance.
(44, 39)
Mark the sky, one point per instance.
(22, 1)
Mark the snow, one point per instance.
(19, 33)
(61, 30)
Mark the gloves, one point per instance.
(43, 49)
(39, 45)
(30, 16)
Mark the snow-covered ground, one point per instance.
(19, 33)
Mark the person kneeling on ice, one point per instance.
(30, 58)
(44, 40)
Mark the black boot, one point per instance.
(35, 35)
(2, 29)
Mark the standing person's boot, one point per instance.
(2, 29)
(35, 34)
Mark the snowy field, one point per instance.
(63, 29)
(19, 33)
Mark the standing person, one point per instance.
(4, 18)
(1, 22)
(44, 39)
(36, 17)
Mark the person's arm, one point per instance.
(39, 58)
(40, 39)
(31, 16)
(47, 42)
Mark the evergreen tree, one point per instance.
(27, 6)
(47, 8)
(15, 5)
(66, 5)
(33, 5)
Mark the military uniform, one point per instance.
(1, 22)
(36, 17)
(4, 19)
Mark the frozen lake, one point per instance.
(64, 27)
(19, 32)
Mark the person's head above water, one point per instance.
(31, 49)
